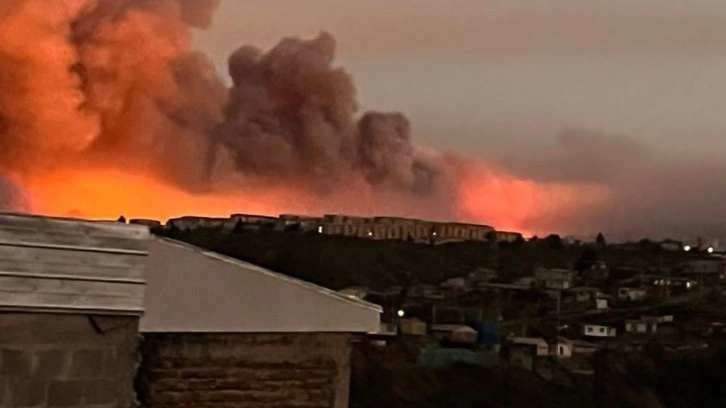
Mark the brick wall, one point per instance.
(67, 361)
(304, 370)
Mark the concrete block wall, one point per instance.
(305, 370)
(49, 360)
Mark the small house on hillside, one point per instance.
(525, 351)
(642, 326)
(555, 278)
(539, 346)
(632, 294)
(594, 330)
(454, 333)
(583, 293)
(562, 348)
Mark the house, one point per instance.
(386, 330)
(642, 326)
(481, 275)
(560, 279)
(593, 330)
(584, 293)
(524, 282)
(243, 331)
(632, 294)
(539, 346)
(601, 303)
(583, 347)
(146, 222)
(302, 222)
(674, 284)
(460, 284)
(561, 348)
(190, 223)
(659, 319)
(412, 327)
(508, 237)
(423, 291)
(454, 333)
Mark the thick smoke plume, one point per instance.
(106, 97)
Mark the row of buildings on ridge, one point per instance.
(378, 228)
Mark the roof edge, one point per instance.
(297, 282)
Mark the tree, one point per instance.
(122, 219)
(600, 241)
(553, 241)
(586, 261)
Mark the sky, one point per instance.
(492, 75)
(627, 93)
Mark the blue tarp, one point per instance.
(489, 332)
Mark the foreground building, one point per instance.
(222, 332)
(216, 331)
(71, 294)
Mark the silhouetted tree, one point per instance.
(553, 241)
(600, 241)
(122, 219)
(586, 260)
(519, 241)
(173, 231)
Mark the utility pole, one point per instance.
(506, 353)
(481, 308)
(559, 301)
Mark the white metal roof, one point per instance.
(190, 289)
(530, 341)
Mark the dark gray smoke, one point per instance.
(291, 113)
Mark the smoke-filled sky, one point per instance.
(629, 94)
(570, 117)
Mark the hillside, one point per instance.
(337, 262)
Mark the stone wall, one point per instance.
(305, 370)
(56, 360)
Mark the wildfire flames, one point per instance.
(106, 110)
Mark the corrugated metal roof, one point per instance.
(63, 265)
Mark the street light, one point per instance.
(687, 248)
(710, 250)
(401, 313)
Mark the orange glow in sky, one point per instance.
(503, 202)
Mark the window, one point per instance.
(602, 330)
(562, 351)
(588, 329)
